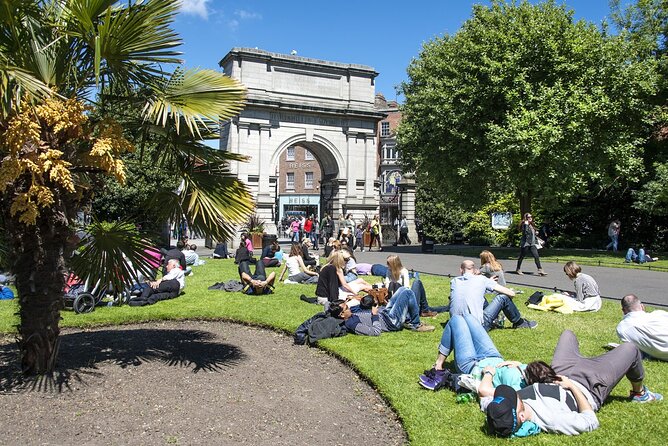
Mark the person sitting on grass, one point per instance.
(309, 260)
(648, 331)
(297, 271)
(467, 296)
(168, 287)
(401, 311)
(490, 267)
(397, 275)
(257, 283)
(332, 283)
(568, 406)
(586, 296)
(192, 258)
(268, 255)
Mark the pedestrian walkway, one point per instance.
(614, 283)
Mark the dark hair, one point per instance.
(367, 302)
(180, 245)
(335, 308)
(193, 247)
(540, 372)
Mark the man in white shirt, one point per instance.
(649, 331)
(168, 287)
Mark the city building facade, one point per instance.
(310, 130)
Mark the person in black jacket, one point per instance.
(174, 253)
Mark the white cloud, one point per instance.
(233, 25)
(247, 15)
(196, 7)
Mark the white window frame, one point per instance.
(308, 182)
(390, 151)
(290, 180)
(385, 128)
(308, 155)
(290, 153)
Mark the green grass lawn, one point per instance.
(392, 362)
(581, 256)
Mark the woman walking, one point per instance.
(529, 244)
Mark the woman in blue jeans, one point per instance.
(472, 347)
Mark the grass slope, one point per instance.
(393, 361)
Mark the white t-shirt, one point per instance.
(178, 274)
(292, 263)
(403, 278)
(649, 331)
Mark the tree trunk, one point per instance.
(38, 262)
(525, 197)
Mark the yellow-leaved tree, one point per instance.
(54, 56)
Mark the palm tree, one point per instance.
(58, 59)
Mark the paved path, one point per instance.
(614, 283)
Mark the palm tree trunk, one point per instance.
(38, 262)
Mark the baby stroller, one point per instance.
(82, 298)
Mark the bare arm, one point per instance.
(580, 399)
(342, 281)
(303, 267)
(503, 290)
(285, 268)
(486, 387)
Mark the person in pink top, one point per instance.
(249, 243)
(294, 227)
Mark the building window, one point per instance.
(308, 180)
(308, 155)
(384, 128)
(290, 180)
(290, 154)
(390, 151)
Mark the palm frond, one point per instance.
(102, 250)
(213, 200)
(193, 96)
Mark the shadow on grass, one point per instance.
(80, 354)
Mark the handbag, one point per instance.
(379, 295)
(539, 243)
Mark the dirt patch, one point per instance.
(191, 383)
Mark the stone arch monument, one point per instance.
(326, 107)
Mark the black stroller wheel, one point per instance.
(84, 303)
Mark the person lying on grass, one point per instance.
(564, 398)
(257, 283)
(586, 296)
(401, 311)
(467, 296)
(473, 348)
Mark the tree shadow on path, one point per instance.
(80, 354)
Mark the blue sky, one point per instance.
(384, 35)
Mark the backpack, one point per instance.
(534, 299)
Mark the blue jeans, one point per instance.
(402, 307)
(613, 242)
(469, 340)
(500, 303)
(421, 298)
(631, 256)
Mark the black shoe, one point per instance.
(311, 300)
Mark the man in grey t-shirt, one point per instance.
(467, 296)
(568, 406)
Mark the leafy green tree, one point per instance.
(441, 217)
(524, 100)
(54, 54)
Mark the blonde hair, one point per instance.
(486, 257)
(336, 258)
(395, 267)
(572, 269)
